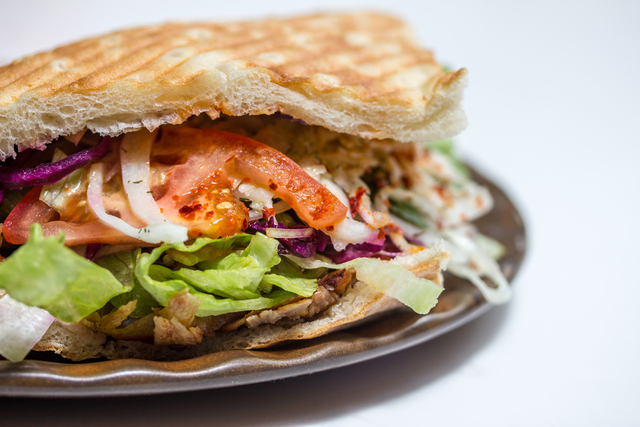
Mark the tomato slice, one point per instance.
(191, 172)
(207, 158)
(31, 210)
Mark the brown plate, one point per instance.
(459, 303)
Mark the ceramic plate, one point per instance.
(459, 303)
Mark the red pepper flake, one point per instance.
(319, 212)
(273, 186)
(392, 227)
(268, 212)
(354, 202)
(189, 212)
(444, 195)
(294, 185)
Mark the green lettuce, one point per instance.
(121, 265)
(390, 279)
(46, 274)
(226, 275)
(296, 285)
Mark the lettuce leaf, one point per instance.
(238, 283)
(121, 266)
(229, 277)
(204, 249)
(46, 274)
(297, 285)
(21, 327)
(390, 279)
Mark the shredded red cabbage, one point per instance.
(303, 247)
(50, 173)
(321, 243)
(363, 250)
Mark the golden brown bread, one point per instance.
(361, 74)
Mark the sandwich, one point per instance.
(174, 190)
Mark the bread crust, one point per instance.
(361, 74)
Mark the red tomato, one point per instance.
(31, 210)
(205, 159)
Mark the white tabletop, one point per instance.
(553, 109)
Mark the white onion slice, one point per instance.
(281, 206)
(21, 327)
(289, 233)
(153, 233)
(260, 197)
(134, 160)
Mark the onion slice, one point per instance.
(134, 160)
(153, 233)
(290, 233)
(21, 327)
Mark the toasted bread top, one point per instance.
(362, 74)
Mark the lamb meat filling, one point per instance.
(330, 288)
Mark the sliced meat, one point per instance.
(293, 311)
(211, 324)
(171, 332)
(328, 293)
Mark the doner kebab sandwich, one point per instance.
(178, 189)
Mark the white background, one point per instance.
(554, 117)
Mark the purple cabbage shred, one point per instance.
(321, 243)
(50, 173)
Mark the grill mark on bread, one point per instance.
(81, 59)
(90, 64)
(335, 71)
